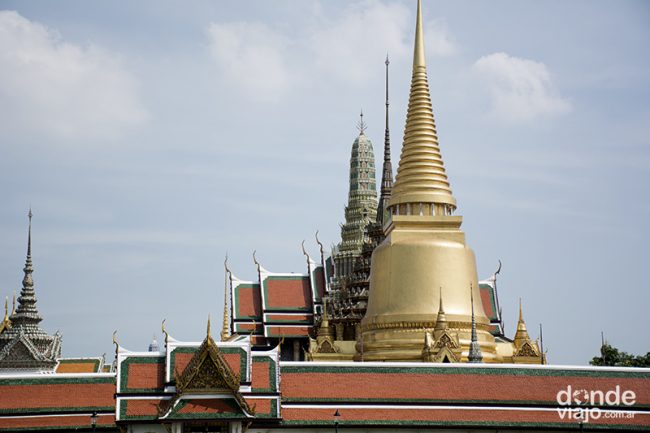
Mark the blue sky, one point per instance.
(151, 138)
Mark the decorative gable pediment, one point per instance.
(20, 349)
(207, 374)
(527, 349)
(447, 340)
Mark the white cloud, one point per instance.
(521, 89)
(252, 56)
(353, 43)
(347, 47)
(61, 90)
(438, 40)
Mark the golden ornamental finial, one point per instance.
(13, 304)
(320, 246)
(6, 307)
(209, 332)
(421, 185)
(225, 264)
(521, 334)
(225, 326)
(255, 261)
(164, 331)
(117, 345)
(304, 251)
(418, 51)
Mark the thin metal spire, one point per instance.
(441, 318)
(26, 312)
(361, 126)
(475, 355)
(29, 233)
(387, 171)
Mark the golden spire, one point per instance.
(324, 330)
(441, 319)
(6, 323)
(225, 326)
(521, 336)
(13, 304)
(421, 176)
(209, 331)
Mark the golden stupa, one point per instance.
(424, 253)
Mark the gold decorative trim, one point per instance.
(415, 326)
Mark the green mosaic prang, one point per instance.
(272, 374)
(279, 278)
(138, 360)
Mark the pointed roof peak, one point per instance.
(386, 186)
(474, 355)
(29, 233)
(361, 126)
(418, 51)
(225, 326)
(421, 176)
(441, 318)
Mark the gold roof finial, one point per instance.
(117, 345)
(418, 51)
(421, 176)
(164, 331)
(225, 326)
(6, 323)
(322, 252)
(13, 304)
(209, 331)
(441, 318)
(521, 336)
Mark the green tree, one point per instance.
(611, 356)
